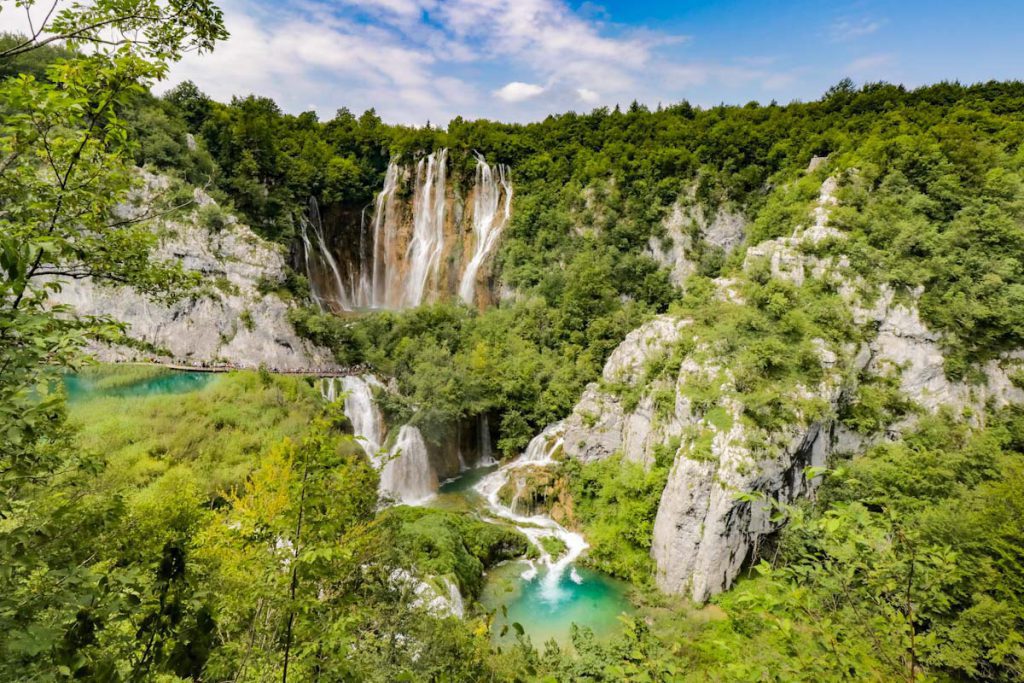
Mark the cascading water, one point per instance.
(410, 253)
(486, 458)
(423, 257)
(539, 453)
(320, 262)
(308, 255)
(382, 293)
(362, 412)
(489, 219)
(408, 475)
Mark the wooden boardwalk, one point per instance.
(303, 372)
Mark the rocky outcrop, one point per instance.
(228, 321)
(904, 342)
(603, 421)
(726, 471)
(688, 227)
(705, 528)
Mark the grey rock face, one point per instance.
(232, 322)
(703, 534)
(600, 425)
(905, 343)
(676, 250)
(708, 523)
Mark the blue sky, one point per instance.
(419, 60)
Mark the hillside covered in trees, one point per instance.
(803, 321)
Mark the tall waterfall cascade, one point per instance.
(412, 247)
(539, 453)
(408, 475)
(423, 257)
(490, 215)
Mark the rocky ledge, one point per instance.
(234, 319)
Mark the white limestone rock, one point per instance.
(675, 250)
(599, 425)
(231, 322)
(708, 523)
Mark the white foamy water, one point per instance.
(536, 527)
(408, 475)
(490, 215)
(360, 409)
(424, 252)
(486, 452)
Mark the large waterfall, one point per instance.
(385, 242)
(412, 247)
(408, 475)
(488, 220)
(423, 256)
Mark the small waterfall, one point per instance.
(307, 257)
(408, 475)
(539, 453)
(487, 222)
(541, 450)
(486, 453)
(364, 290)
(360, 409)
(320, 262)
(423, 256)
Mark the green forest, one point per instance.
(234, 532)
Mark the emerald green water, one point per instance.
(547, 612)
(80, 387)
(545, 609)
(464, 484)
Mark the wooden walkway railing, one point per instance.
(336, 371)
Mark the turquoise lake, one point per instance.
(172, 382)
(546, 610)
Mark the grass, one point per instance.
(112, 377)
(218, 432)
(555, 547)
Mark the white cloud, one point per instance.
(415, 60)
(517, 91)
(302, 58)
(845, 30)
(870, 65)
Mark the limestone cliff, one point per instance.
(229, 321)
(690, 232)
(707, 524)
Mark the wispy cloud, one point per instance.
(846, 30)
(870, 65)
(415, 60)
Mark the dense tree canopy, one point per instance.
(235, 535)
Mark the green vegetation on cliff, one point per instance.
(233, 533)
